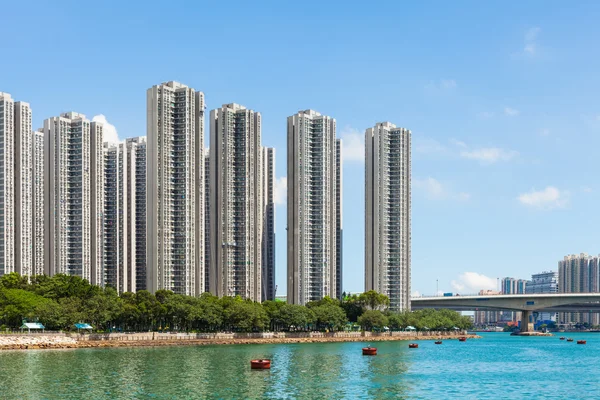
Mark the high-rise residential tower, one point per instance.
(117, 272)
(16, 230)
(579, 274)
(388, 213)
(135, 209)
(268, 253)
(74, 197)
(175, 189)
(237, 202)
(312, 207)
(38, 202)
(207, 220)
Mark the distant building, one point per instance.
(544, 282)
(512, 286)
(578, 274)
(483, 318)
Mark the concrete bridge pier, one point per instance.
(526, 324)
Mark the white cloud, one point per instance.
(473, 282)
(547, 199)
(531, 46)
(415, 293)
(511, 112)
(280, 191)
(435, 190)
(489, 155)
(353, 145)
(110, 132)
(586, 189)
(441, 85)
(458, 143)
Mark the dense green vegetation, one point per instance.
(60, 301)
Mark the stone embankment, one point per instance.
(149, 339)
(35, 342)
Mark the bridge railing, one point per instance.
(453, 295)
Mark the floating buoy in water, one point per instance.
(413, 346)
(462, 339)
(569, 340)
(260, 364)
(438, 342)
(369, 351)
(581, 342)
(562, 338)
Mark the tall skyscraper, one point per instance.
(135, 209)
(16, 230)
(175, 188)
(38, 202)
(339, 239)
(313, 202)
(579, 274)
(74, 197)
(388, 213)
(117, 272)
(207, 221)
(237, 202)
(268, 268)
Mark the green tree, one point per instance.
(372, 319)
(294, 315)
(373, 300)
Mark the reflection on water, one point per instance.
(475, 369)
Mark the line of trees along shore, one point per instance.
(61, 301)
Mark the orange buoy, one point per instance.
(438, 342)
(260, 364)
(462, 339)
(581, 342)
(413, 346)
(369, 351)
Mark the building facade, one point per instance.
(38, 185)
(268, 268)
(135, 211)
(74, 197)
(487, 318)
(117, 271)
(175, 188)
(312, 209)
(388, 213)
(16, 229)
(544, 282)
(237, 202)
(578, 274)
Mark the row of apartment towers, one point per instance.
(164, 212)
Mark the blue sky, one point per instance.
(501, 99)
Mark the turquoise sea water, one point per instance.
(497, 367)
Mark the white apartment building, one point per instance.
(175, 189)
(313, 172)
(38, 185)
(388, 213)
(16, 230)
(74, 197)
(117, 272)
(135, 211)
(237, 202)
(207, 220)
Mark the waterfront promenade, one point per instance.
(155, 339)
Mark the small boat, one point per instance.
(413, 346)
(562, 338)
(438, 342)
(462, 339)
(260, 364)
(581, 342)
(569, 340)
(369, 351)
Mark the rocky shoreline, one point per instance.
(65, 342)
